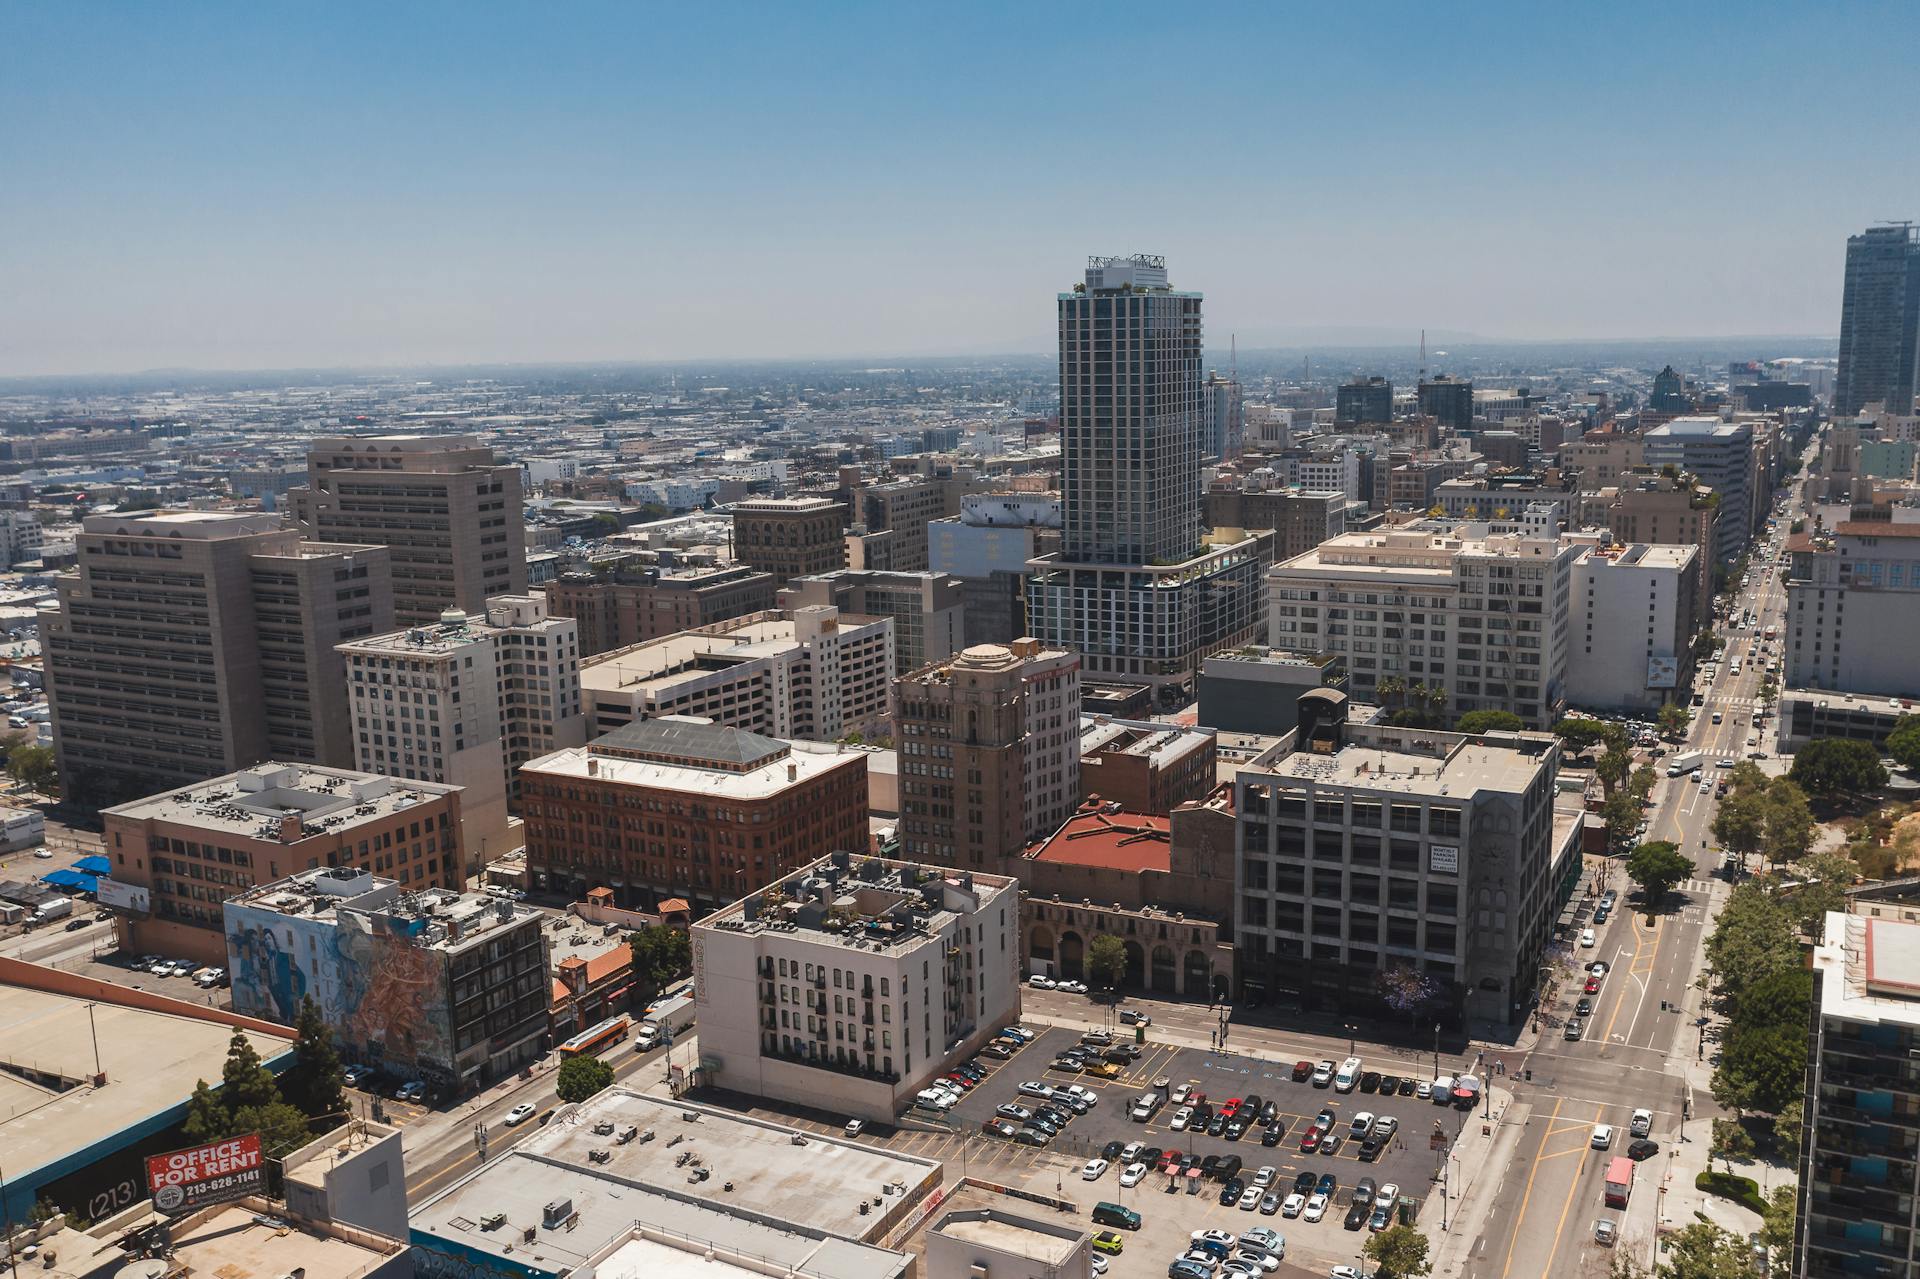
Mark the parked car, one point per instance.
(519, 1114)
(1040, 981)
(1573, 1029)
(1302, 1070)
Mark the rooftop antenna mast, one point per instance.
(1423, 355)
(1233, 345)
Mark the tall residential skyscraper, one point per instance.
(1139, 588)
(1880, 320)
(446, 511)
(1223, 419)
(1130, 415)
(187, 644)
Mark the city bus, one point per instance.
(594, 1038)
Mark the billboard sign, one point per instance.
(182, 1181)
(132, 899)
(1443, 859)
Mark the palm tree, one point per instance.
(1390, 689)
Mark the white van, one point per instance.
(1347, 1076)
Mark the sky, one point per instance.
(240, 186)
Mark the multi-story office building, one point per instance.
(1880, 321)
(466, 701)
(1633, 618)
(623, 606)
(1332, 470)
(1663, 510)
(1859, 1135)
(1223, 425)
(988, 547)
(810, 674)
(446, 511)
(1257, 690)
(21, 536)
(928, 609)
(1364, 849)
(687, 808)
(1668, 394)
(1137, 589)
(1146, 766)
(1853, 605)
(1448, 401)
(178, 855)
(433, 984)
(1602, 459)
(1482, 619)
(904, 508)
(1719, 455)
(790, 536)
(1301, 518)
(853, 982)
(187, 644)
(1365, 399)
(989, 750)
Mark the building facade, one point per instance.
(1721, 456)
(1366, 850)
(852, 983)
(1301, 518)
(1633, 613)
(448, 514)
(1448, 401)
(790, 536)
(177, 856)
(188, 644)
(1880, 321)
(433, 984)
(680, 808)
(1257, 690)
(625, 606)
(989, 752)
(1481, 619)
(1662, 510)
(1145, 766)
(1853, 601)
(1223, 424)
(928, 609)
(1365, 399)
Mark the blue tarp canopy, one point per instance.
(65, 878)
(95, 865)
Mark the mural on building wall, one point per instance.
(385, 997)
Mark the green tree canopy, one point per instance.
(661, 956)
(1730, 1142)
(1764, 1058)
(248, 1101)
(581, 1076)
(1621, 813)
(1903, 743)
(1398, 1252)
(314, 1084)
(1827, 766)
(1703, 1250)
(1752, 940)
(1823, 881)
(1674, 719)
(1657, 866)
(1106, 961)
(1580, 733)
(1740, 824)
(1789, 822)
(1490, 722)
(33, 765)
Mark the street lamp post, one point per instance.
(1436, 1050)
(1352, 1030)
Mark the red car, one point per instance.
(1231, 1108)
(958, 1078)
(1309, 1139)
(1302, 1070)
(1593, 985)
(999, 1128)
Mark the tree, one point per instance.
(1752, 940)
(314, 1083)
(1769, 691)
(661, 955)
(1674, 719)
(1398, 1252)
(206, 1118)
(1789, 822)
(1786, 1129)
(1824, 881)
(1776, 1226)
(33, 765)
(1705, 645)
(1747, 776)
(1580, 734)
(245, 1083)
(1621, 813)
(581, 1076)
(1903, 743)
(1490, 722)
(1764, 1058)
(1405, 989)
(1703, 1250)
(281, 1127)
(1828, 766)
(1640, 785)
(248, 1101)
(1741, 822)
(1657, 866)
(1613, 766)
(1106, 961)
(1730, 1142)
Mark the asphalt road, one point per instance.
(1636, 1043)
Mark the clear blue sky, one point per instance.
(249, 185)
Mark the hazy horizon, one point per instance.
(227, 188)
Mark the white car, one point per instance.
(1094, 1170)
(1040, 981)
(1316, 1208)
(1130, 1153)
(519, 1114)
(1292, 1204)
(1180, 1118)
(1099, 1263)
(1265, 1176)
(1256, 1260)
(1071, 987)
(1250, 1198)
(1221, 1237)
(1132, 1173)
(1588, 940)
(1384, 1127)
(45, 855)
(1179, 1095)
(1602, 1136)
(1362, 1124)
(1084, 1093)
(1032, 1089)
(1642, 1123)
(1344, 1272)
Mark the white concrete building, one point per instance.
(994, 533)
(21, 537)
(467, 701)
(1337, 470)
(1632, 609)
(808, 673)
(1853, 605)
(852, 983)
(988, 1243)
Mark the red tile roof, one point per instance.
(1122, 841)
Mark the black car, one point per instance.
(1642, 1149)
(1269, 1113)
(1216, 1125)
(1228, 1168)
(78, 922)
(1230, 1193)
(1406, 1086)
(1388, 1083)
(1584, 1008)
(1303, 1184)
(1370, 1150)
(1357, 1215)
(1370, 1082)
(1251, 1106)
(1235, 1129)
(1151, 1156)
(1275, 1134)
(1111, 1151)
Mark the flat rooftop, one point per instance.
(810, 1190)
(49, 1110)
(1872, 968)
(1456, 768)
(659, 664)
(255, 801)
(1834, 699)
(1123, 841)
(742, 1248)
(998, 1230)
(242, 1241)
(1160, 744)
(808, 760)
(845, 900)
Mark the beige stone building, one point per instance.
(1673, 511)
(448, 513)
(790, 536)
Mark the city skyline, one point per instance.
(671, 186)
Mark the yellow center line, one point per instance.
(1560, 1154)
(1520, 1221)
(1639, 944)
(1572, 1188)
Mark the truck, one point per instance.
(1686, 762)
(1619, 1181)
(47, 911)
(664, 1019)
